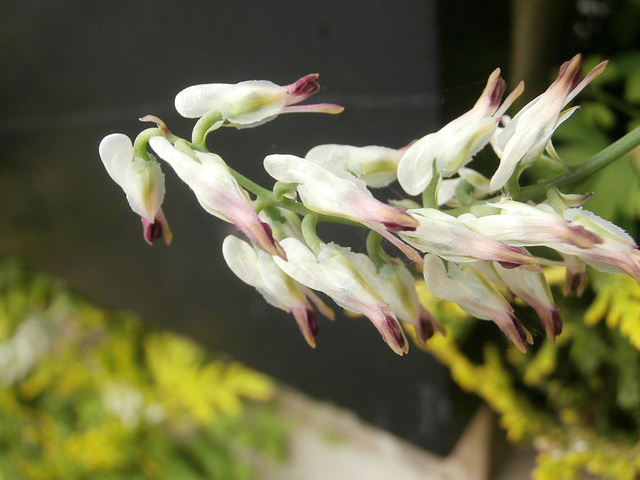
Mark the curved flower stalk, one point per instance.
(449, 238)
(376, 166)
(526, 136)
(454, 145)
(398, 288)
(250, 103)
(141, 180)
(467, 288)
(217, 191)
(349, 279)
(256, 268)
(338, 193)
(523, 225)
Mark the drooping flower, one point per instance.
(349, 279)
(217, 191)
(141, 180)
(255, 267)
(397, 287)
(531, 287)
(375, 165)
(526, 135)
(520, 224)
(448, 237)
(466, 287)
(455, 144)
(250, 103)
(338, 193)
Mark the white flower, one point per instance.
(376, 166)
(454, 145)
(217, 191)
(616, 253)
(338, 193)
(529, 286)
(250, 103)
(256, 268)
(449, 238)
(349, 279)
(524, 225)
(397, 287)
(526, 135)
(141, 180)
(467, 288)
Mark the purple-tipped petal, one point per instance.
(390, 329)
(514, 331)
(156, 229)
(306, 319)
(302, 88)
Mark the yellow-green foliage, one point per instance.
(618, 303)
(87, 393)
(577, 400)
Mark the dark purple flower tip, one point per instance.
(575, 282)
(556, 323)
(399, 221)
(159, 228)
(306, 320)
(394, 335)
(570, 73)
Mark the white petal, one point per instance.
(415, 169)
(116, 152)
(242, 260)
(198, 100)
(144, 186)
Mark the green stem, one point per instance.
(430, 194)
(268, 197)
(203, 127)
(308, 225)
(576, 174)
(374, 248)
(140, 143)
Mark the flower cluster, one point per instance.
(470, 237)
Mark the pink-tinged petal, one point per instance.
(520, 224)
(513, 330)
(576, 275)
(218, 192)
(302, 88)
(243, 216)
(306, 320)
(450, 238)
(595, 71)
(491, 96)
(389, 328)
(160, 123)
(330, 108)
(409, 252)
(320, 305)
(472, 292)
(156, 229)
(509, 100)
(533, 289)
